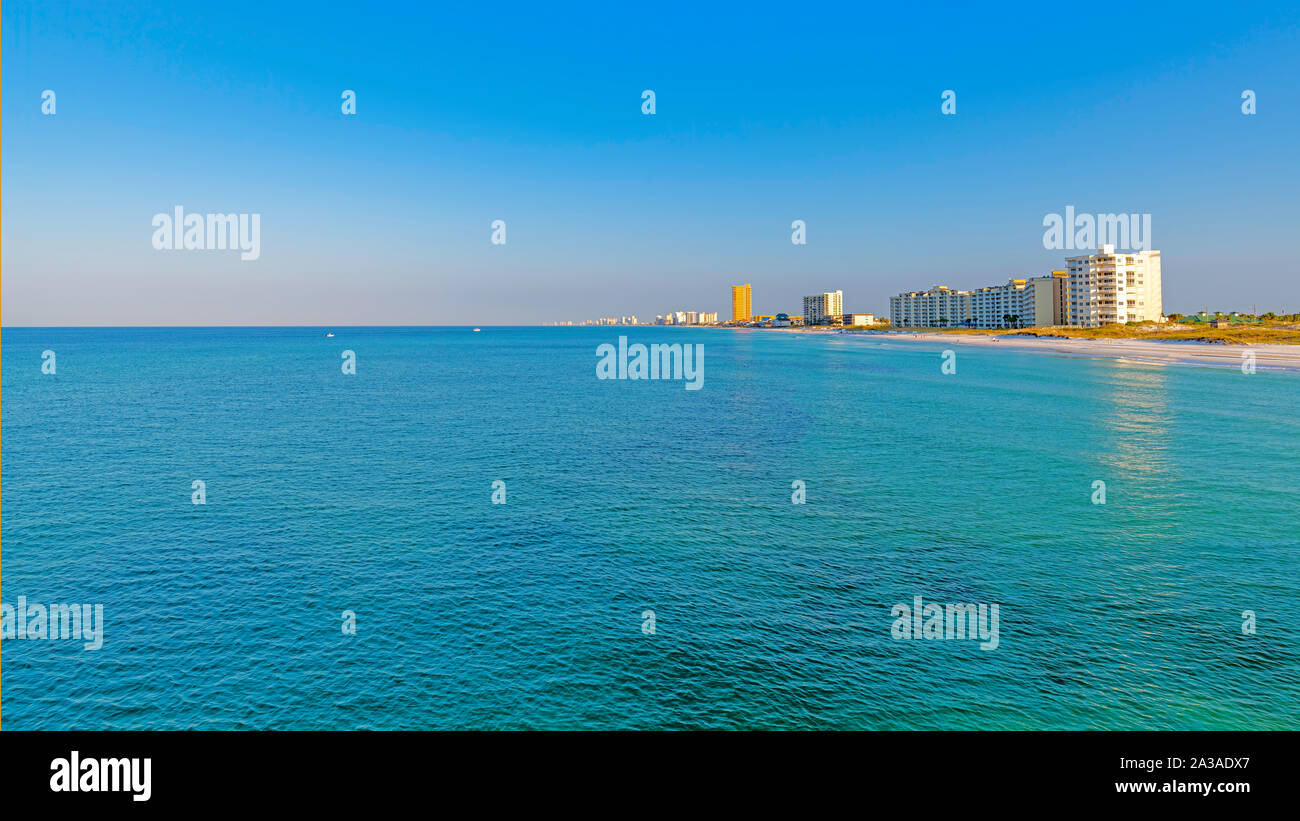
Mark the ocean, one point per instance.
(648, 567)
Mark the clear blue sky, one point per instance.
(532, 114)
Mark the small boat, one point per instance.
(329, 335)
(476, 330)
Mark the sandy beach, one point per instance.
(1273, 357)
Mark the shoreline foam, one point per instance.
(1144, 351)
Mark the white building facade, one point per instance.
(1108, 287)
(819, 306)
(938, 307)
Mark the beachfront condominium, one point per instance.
(818, 307)
(1061, 298)
(741, 309)
(935, 308)
(1020, 303)
(1100, 288)
(1108, 287)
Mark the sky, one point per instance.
(532, 114)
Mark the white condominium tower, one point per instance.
(819, 306)
(1108, 287)
(833, 303)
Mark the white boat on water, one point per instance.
(329, 335)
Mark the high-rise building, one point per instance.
(741, 308)
(833, 303)
(812, 309)
(819, 306)
(1108, 287)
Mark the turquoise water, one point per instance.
(372, 493)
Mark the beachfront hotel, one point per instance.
(740, 303)
(1095, 289)
(1029, 302)
(1108, 287)
(819, 306)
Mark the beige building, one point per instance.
(1061, 295)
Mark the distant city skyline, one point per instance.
(499, 169)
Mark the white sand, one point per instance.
(1286, 357)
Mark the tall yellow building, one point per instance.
(741, 309)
